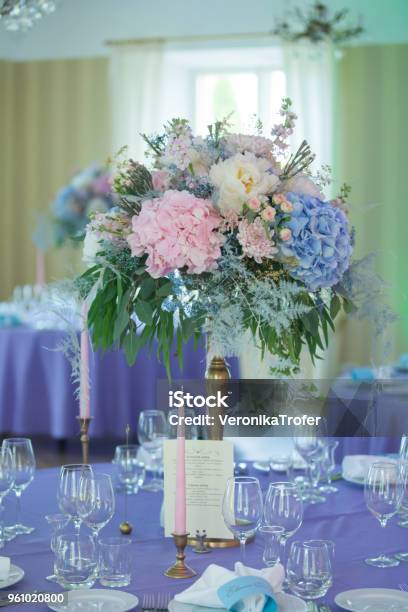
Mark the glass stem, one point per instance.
(283, 551)
(18, 507)
(77, 525)
(242, 542)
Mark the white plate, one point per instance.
(373, 600)
(15, 575)
(286, 603)
(115, 601)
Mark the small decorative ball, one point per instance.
(125, 528)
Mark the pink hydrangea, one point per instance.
(177, 231)
(255, 241)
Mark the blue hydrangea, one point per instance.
(320, 242)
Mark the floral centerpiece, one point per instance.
(89, 190)
(225, 234)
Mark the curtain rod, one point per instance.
(198, 37)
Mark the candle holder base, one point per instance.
(180, 569)
(84, 423)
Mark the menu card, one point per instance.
(209, 464)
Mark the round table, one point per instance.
(37, 393)
(343, 518)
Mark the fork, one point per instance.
(158, 603)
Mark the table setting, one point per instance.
(73, 543)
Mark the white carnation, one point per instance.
(240, 178)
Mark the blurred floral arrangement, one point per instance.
(226, 234)
(317, 25)
(89, 191)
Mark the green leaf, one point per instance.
(144, 311)
(348, 306)
(335, 306)
(147, 288)
(165, 290)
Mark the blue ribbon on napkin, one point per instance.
(233, 593)
(362, 374)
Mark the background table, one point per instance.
(343, 518)
(37, 394)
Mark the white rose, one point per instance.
(240, 178)
(304, 185)
(91, 248)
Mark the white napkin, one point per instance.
(204, 591)
(357, 466)
(4, 568)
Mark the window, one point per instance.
(244, 96)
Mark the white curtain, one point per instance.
(137, 94)
(310, 74)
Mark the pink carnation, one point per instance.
(255, 241)
(177, 230)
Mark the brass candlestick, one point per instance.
(180, 569)
(84, 423)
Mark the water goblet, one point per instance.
(68, 491)
(130, 471)
(328, 464)
(403, 451)
(152, 431)
(114, 562)
(190, 431)
(96, 501)
(309, 569)
(24, 465)
(283, 507)
(272, 535)
(76, 561)
(57, 522)
(383, 492)
(242, 508)
(7, 476)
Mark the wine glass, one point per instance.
(309, 569)
(328, 464)
(130, 471)
(242, 508)
(96, 503)
(24, 465)
(7, 476)
(271, 535)
(403, 452)
(68, 491)
(309, 448)
(152, 431)
(283, 507)
(383, 492)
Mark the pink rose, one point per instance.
(161, 180)
(285, 234)
(254, 204)
(278, 198)
(268, 213)
(286, 206)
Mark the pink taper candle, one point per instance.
(84, 393)
(40, 268)
(180, 526)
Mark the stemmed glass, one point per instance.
(242, 508)
(309, 569)
(24, 465)
(68, 491)
(130, 471)
(96, 503)
(152, 431)
(403, 452)
(7, 476)
(57, 523)
(328, 464)
(309, 449)
(383, 491)
(283, 507)
(271, 535)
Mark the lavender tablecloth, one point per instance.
(343, 518)
(37, 394)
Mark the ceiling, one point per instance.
(80, 28)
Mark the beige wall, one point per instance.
(54, 119)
